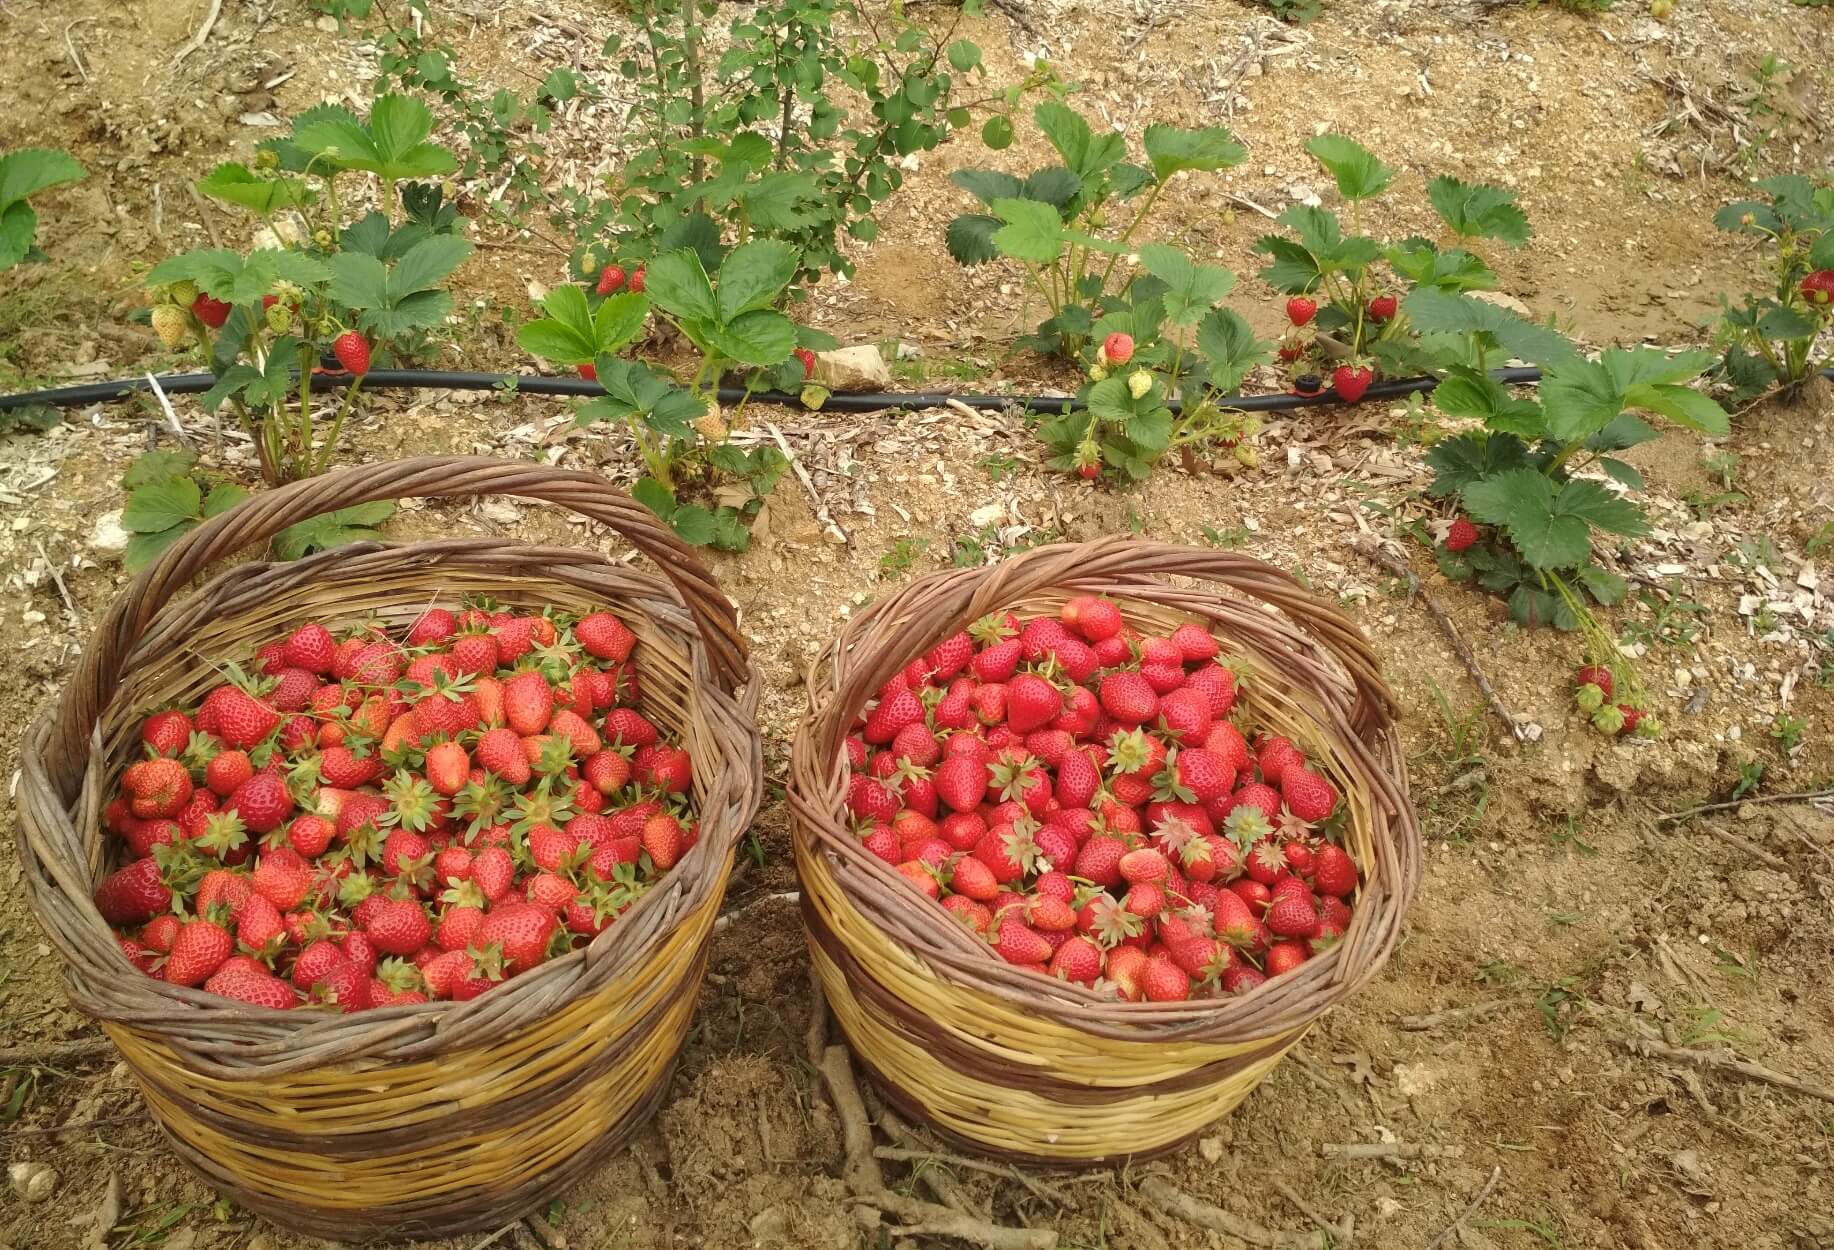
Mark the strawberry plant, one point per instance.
(1770, 339)
(355, 293)
(1343, 306)
(24, 174)
(792, 130)
(1167, 341)
(1049, 222)
(729, 317)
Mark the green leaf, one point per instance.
(694, 524)
(1086, 153)
(143, 549)
(1454, 269)
(970, 238)
(1230, 348)
(1591, 502)
(222, 497)
(237, 184)
(1762, 218)
(782, 201)
(1605, 586)
(654, 496)
(1358, 173)
(1033, 232)
(18, 227)
(427, 264)
(1173, 148)
(358, 280)
(964, 55)
(1294, 270)
(1583, 397)
(1778, 323)
(157, 466)
(997, 132)
(1821, 255)
(1053, 185)
(1466, 392)
(759, 337)
(1522, 501)
(1469, 458)
(31, 170)
(986, 185)
(1621, 471)
(338, 528)
(634, 391)
(753, 276)
(1479, 211)
(392, 144)
(1191, 289)
(676, 283)
(1680, 404)
(1432, 310)
(1109, 400)
(161, 505)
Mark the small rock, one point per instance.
(853, 369)
(499, 511)
(108, 537)
(1211, 1148)
(328, 24)
(1501, 300)
(32, 1182)
(770, 1224)
(991, 514)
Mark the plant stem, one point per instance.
(1146, 206)
(302, 454)
(696, 88)
(337, 426)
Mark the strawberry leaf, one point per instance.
(1172, 149)
(677, 283)
(970, 238)
(1358, 173)
(1479, 211)
(1467, 392)
(1033, 231)
(1086, 153)
(1230, 348)
(1191, 289)
(752, 277)
(988, 185)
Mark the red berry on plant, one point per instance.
(1382, 308)
(352, 351)
(807, 358)
(1118, 348)
(212, 312)
(611, 277)
(1352, 382)
(1300, 310)
(1461, 536)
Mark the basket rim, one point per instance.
(1359, 713)
(60, 841)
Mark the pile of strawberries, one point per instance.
(378, 820)
(1080, 796)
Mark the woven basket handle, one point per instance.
(1105, 566)
(428, 477)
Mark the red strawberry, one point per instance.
(997, 663)
(1242, 978)
(199, 950)
(212, 312)
(159, 787)
(344, 986)
(1099, 860)
(309, 647)
(132, 894)
(261, 989)
(528, 703)
(1283, 957)
(1078, 960)
(896, 710)
(282, 877)
(667, 768)
(949, 657)
(399, 927)
(1078, 779)
(636, 280)
(807, 359)
(1382, 308)
(448, 768)
(1031, 702)
(1143, 865)
(352, 351)
(1128, 698)
(1118, 349)
(522, 932)
(241, 719)
(605, 637)
(262, 802)
(167, 733)
(310, 835)
(662, 839)
(1333, 871)
(1461, 536)
(1300, 310)
(1277, 753)
(1310, 797)
(1352, 381)
(1203, 773)
(493, 871)
(1018, 943)
(1163, 981)
(1595, 675)
(1293, 914)
(160, 932)
(611, 279)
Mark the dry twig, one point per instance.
(1371, 550)
(808, 483)
(1451, 1230)
(1387, 1150)
(70, 46)
(1805, 796)
(55, 1052)
(1174, 1201)
(1476, 1011)
(1726, 1061)
(1342, 1232)
(203, 33)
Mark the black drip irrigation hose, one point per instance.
(869, 401)
(542, 384)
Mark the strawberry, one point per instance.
(605, 637)
(160, 787)
(520, 930)
(1283, 957)
(475, 654)
(399, 927)
(1078, 960)
(260, 989)
(132, 894)
(1382, 308)
(1276, 754)
(662, 839)
(667, 768)
(316, 960)
(1018, 943)
(242, 720)
(1128, 698)
(1300, 310)
(1293, 914)
(344, 986)
(262, 802)
(493, 871)
(1078, 779)
(1461, 536)
(807, 359)
(528, 703)
(1352, 381)
(1163, 981)
(199, 950)
(1031, 702)
(171, 325)
(896, 710)
(627, 727)
(1333, 871)
(309, 647)
(160, 932)
(166, 733)
(1241, 978)
(282, 877)
(1310, 797)
(342, 767)
(448, 768)
(1194, 643)
(611, 279)
(1143, 865)
(636, 281)
(259, 928)
(997, 663)
(1203, 774)
(352, 351)
(212, 312)
(309, 835)
(1117, 349)
(1099, 860)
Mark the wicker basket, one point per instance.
(419, 1120)
(1002, 1059)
